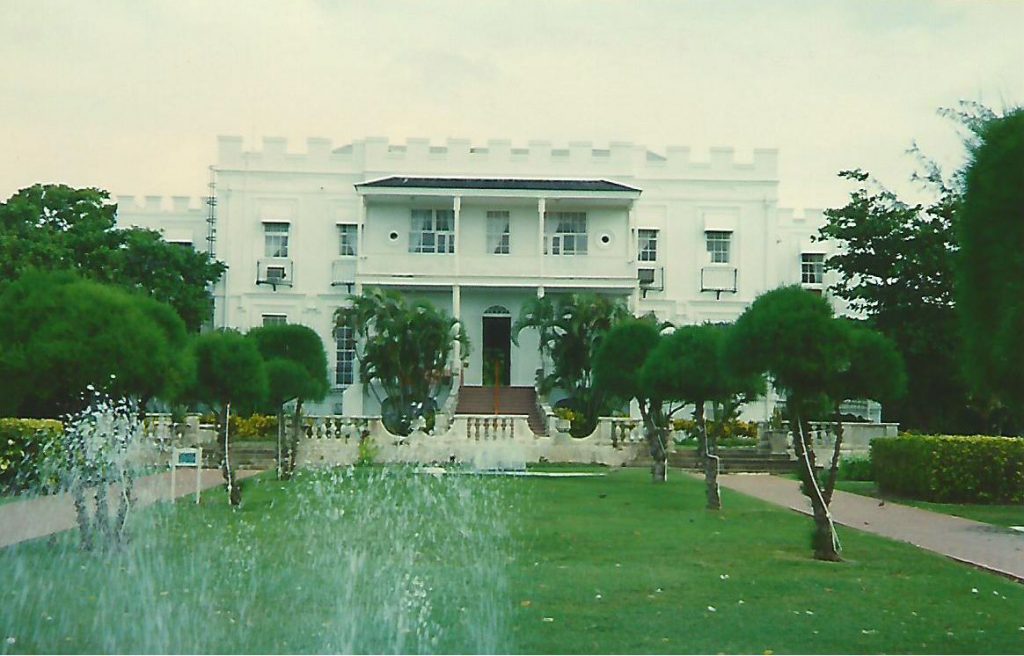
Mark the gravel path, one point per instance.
(994, 548)
(40, 516)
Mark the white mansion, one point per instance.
(478, 229)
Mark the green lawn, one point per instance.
(1000, 515)
(384, 561)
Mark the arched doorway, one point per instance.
(497, 346)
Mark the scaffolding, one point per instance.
(211, 214)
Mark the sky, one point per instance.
(130, 95)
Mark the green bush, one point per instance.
(977, 469)
(254, 427)
(23, 445)
(856, 469)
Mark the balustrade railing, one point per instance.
(336, 427)
(494, 427)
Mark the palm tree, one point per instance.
(406, 349)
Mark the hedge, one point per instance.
(22, 443)
(977, 469)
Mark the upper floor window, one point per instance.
(275, 239)
(718, 242)
(275, 319)
(347, 235)
(566, 233)
(498, 232)
(647, 245)
(345, 366)
(432, 231)
(812, 268)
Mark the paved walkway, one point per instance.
(993, 548)
(40, 516)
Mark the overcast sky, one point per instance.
(129, 95)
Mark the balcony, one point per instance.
(650, 278)
(343, 273)
(276, 272)
(718, 278)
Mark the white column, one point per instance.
(540, 236)
(457, 207)
(457, 314)
(360, 244)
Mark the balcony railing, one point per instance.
(718, 279)
(275, 272)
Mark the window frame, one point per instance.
(498, 242)
(812, 265)
(344, 356)
(273, 234)
(557, 233)
(440, 230)
(647, 252)
(348, 236)
(714, 240)
(277, 319)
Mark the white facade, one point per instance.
(300, 231)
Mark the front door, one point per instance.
(497, 350)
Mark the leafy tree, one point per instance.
(406, 349)
(56, 227)
(296, 369)
(991, 272)
(59, 334)
(791, 335)
(875, 371)
(617, 368)
(229, 369)
(688, 367)
(570, 332)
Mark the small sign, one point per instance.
(187, 457)
(192, 457)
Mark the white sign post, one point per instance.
(192, 457)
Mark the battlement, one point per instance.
(810, 216)
(497, 156)
(159, 205)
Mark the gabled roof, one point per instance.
(397, 182)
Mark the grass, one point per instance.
(581, 565)
(997, 514)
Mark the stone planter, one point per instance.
(778, 441)
(562, 425)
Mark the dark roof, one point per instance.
(497, 183)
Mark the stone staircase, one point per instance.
(475, 400)
(731, 461)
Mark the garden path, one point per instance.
(990, 547)
(37, 517)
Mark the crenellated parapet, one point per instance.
(163, 205)
(497, 156)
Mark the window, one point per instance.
(647, 245)
(275, 319)
(345, 342)
(812, 268)
(497, 233)
(275, 239)
(432, 231)
(718, 246)
(566, 233)
(347, 244)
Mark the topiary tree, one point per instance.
(570, 331)
(875, 371)
(790, 334)
(406, 349)
(296, 369)
(688, 367)
(617, 367)
(229, 369)
(990, 276)
(59, 334)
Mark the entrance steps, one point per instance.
(478, 400)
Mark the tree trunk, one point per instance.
(655, 443)
(233, 488)
(833, 472)
(280, 435)
(710, 460)
(293, 440)
(825, 540)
